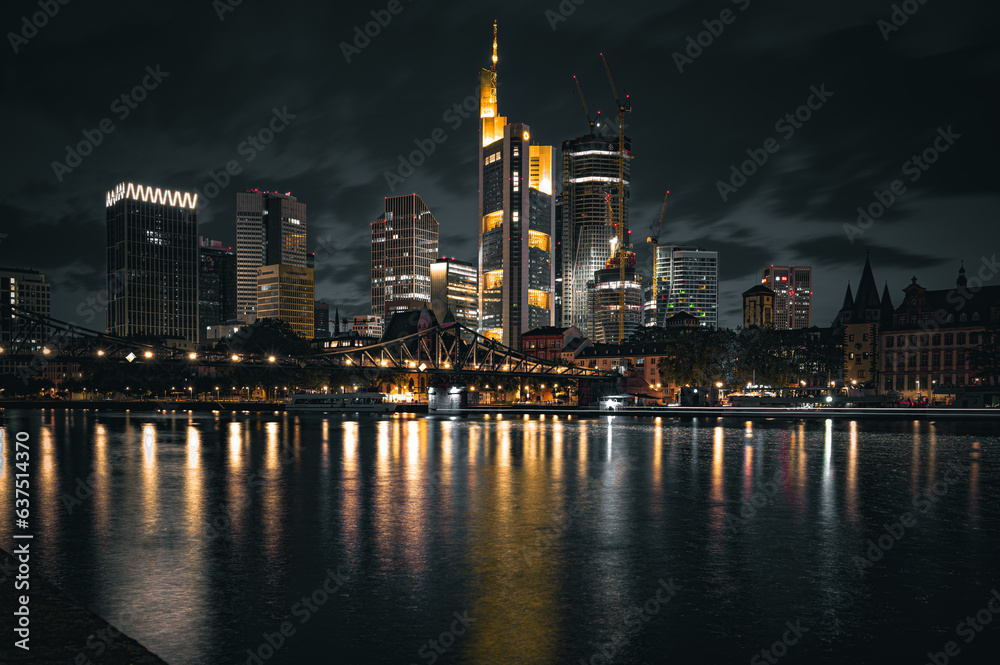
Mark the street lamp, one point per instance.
(148, 354)
(271, 359)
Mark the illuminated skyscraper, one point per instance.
(590, 174)
(286, 292)
(686, 279)
(27, 291)
(404, 244)
(270, 230)
(216, 284)
(455, 285)
(792, 286)
(517, 223)
(153, 257)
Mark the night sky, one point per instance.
(892, 90)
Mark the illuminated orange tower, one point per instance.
(516, 222)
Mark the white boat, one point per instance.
(340, 403)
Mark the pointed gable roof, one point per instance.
(867, 298)
(848, 300)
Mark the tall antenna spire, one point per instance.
(494, 45)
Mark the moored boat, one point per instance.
(340, 403)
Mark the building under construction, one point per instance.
(590, 167)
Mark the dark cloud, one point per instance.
(353, 120)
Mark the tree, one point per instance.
(651, 335)
(268, 337)
(697, 358)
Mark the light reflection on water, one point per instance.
(197, 534)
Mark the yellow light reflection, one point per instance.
(852, 473)
(150, 480)
(194, 487)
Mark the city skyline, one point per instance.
(791, 209)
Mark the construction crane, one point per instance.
(583, 100)
(654, 240)
(624, 106)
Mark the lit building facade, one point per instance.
(604, 299)
(517, 223)
(686, 279)
(270, 230)
(758, 307)
(404, 245)
(153, 259)
(928, 342)
(28, 291)
(860, 321)
(321, 318)
(792, 286)
(216, 284)
(286, 293)
(455, 284)
(369, 326)
(590, 172)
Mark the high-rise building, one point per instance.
(603, 294)
(590, 179)
(517, 223)
(758, 307)
(557, 259)
(216, 284)
(404, 244)
(455, 285)
(286, 292)
(686, 279)
(27, 291)
(153, 258)
(792, 286)
(321, 317)
(270, 230)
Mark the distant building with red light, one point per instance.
(792, 286)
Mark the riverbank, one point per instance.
(64, 631)
(152, 406)
(899, 413)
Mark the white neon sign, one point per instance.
(153, 195)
